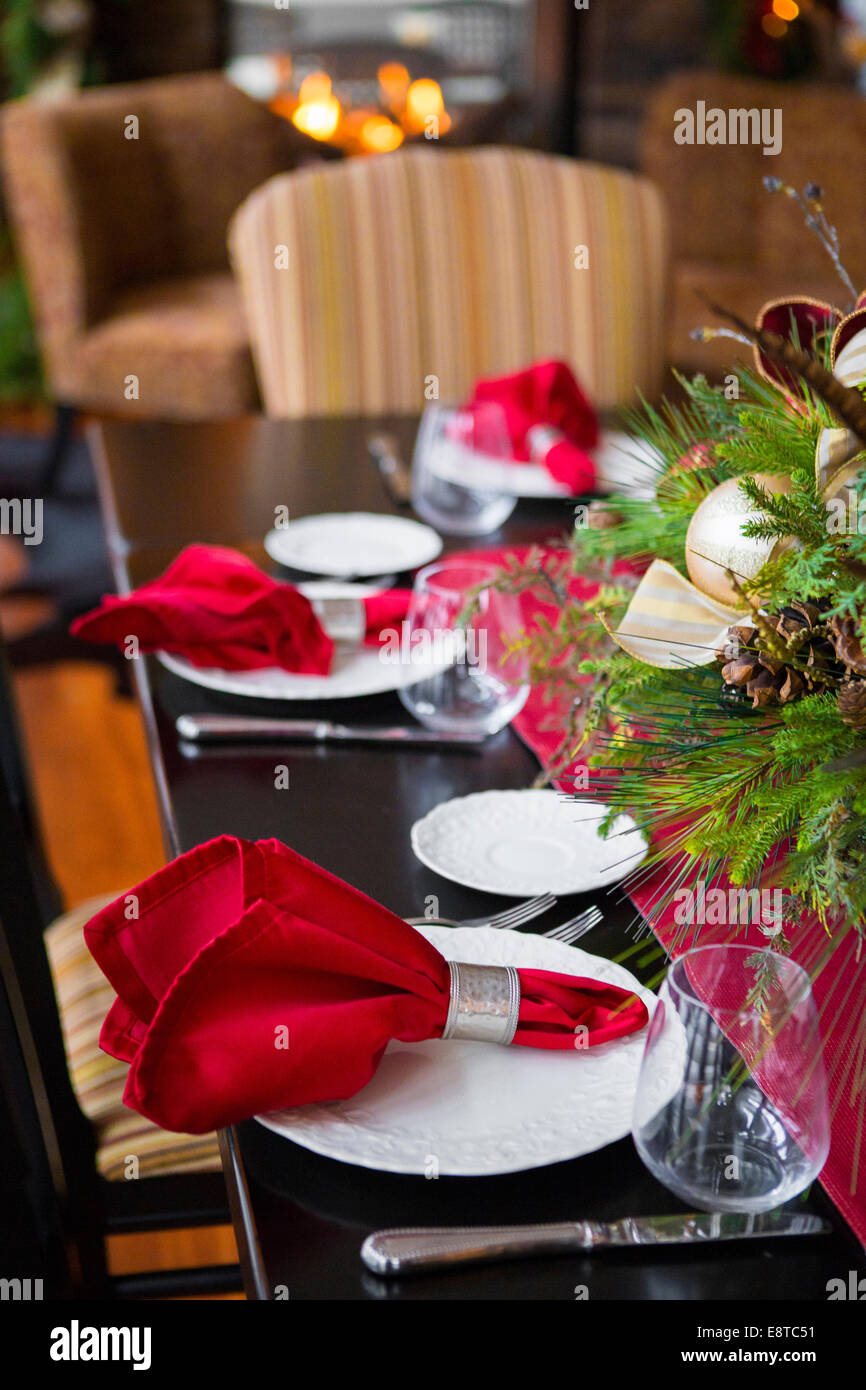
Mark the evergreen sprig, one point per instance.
(722, 788)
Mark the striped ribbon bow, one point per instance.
(671, 623)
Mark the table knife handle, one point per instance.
(415, 1249)
(212, 728)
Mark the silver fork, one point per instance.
(577, 927)
(515, 916)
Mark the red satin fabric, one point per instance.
(236, 947)
(547, 393)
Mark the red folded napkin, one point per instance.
(218, 609)
(549, 420)
(249, 980)
(384, 611)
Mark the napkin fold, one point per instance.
(549, 420)
(249, 979)
(215, 607)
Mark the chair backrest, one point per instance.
(117, 186)
(374, 283)
(719, 209)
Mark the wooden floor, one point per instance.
(99, 819)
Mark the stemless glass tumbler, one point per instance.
(461, 638)
(739, 1122)
(461, 462)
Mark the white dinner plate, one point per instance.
(521, 843)
(469, 1109)
(353, 543)
(622, 464)
(355, 671)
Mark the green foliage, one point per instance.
(776, 794)
(25, 46)
(20, 377)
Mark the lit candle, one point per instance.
(380, 135)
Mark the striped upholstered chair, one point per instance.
(364, 280)
(84, 997)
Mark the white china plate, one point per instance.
(347, 544)
(622, 462)
(356, 671)
(522, 843)
(470, 1109)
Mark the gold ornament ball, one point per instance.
(715, 541)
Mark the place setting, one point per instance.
(292, 998)
(343, 626)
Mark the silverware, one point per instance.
(518, 916)
(395, 475)
(576, 927)
(226, 728)
(510, 917)
(409, 1250)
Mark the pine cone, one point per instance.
(851, 703)
(803, 653)
(602, 517)
(849, 648)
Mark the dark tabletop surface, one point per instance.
(301, 1218)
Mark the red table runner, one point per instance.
(839, 988)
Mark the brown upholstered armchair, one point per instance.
(123, 240)
(733, 240)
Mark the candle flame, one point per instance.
(380, 135)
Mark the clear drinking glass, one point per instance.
(457, 469)
(457, 637)
(731, 1104)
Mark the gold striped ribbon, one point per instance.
(670, 623)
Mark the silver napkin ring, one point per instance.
(343, 619)
(484, 1003)
(540, 439)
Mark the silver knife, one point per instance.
(418, 1249)
(232, 728)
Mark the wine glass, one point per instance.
(731, 1104)
(461, 469)
(468, 671)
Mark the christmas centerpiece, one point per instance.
(716, 683)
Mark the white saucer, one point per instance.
(521, 843)
(346, 544)
(472, 1109)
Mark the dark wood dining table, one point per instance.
(300, 1218)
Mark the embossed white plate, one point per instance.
(469, 1109)
(355, 671)
(526, 842)
(343, 544)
